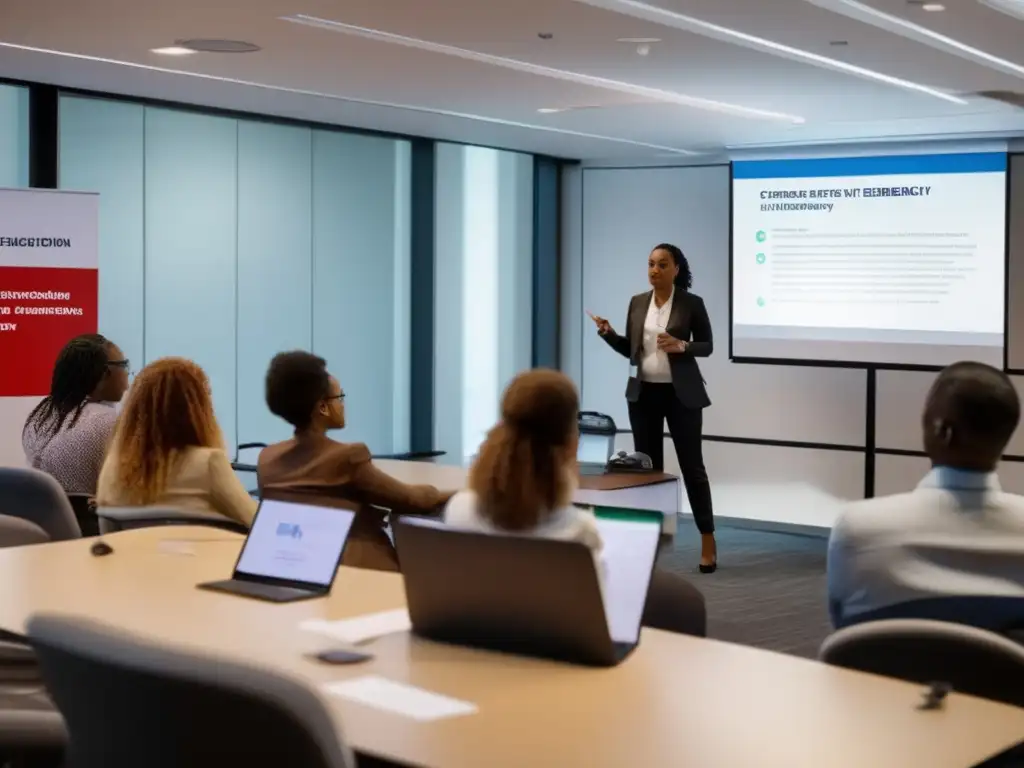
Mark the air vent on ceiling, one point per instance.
(1012, 98)
(218, 46)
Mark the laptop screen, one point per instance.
(295, 542)
(595, 449)
(630, 548)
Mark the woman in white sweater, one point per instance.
(525, 474)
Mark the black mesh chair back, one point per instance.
(130, 703)
(969, 660)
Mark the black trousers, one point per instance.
(656, 405)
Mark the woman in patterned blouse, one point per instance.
(67, 434)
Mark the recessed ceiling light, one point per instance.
(549, 110)
(934, 7)
(639, 40)
(173, 50)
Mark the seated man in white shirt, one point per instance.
(952, 549)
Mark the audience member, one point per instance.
(525, 474)
(953, 549)
(67, 434)
(302, 392)
(168, 449)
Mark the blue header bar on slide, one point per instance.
(881, 165)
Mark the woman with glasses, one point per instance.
(168, 450)
(67, 434)
(311, 465)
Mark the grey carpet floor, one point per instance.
(769, 590)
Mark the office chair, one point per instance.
(411, 455)
(36, 497)
(970, 660)
(129, 702)
(17, 661)
(240, 466)
(31, 730)
(113, 519)
(996, 613)
(675, 605)
(84, 507)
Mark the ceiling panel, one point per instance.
(357, 77)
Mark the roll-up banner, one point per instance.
(49, 278)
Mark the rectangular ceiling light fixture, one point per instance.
(654, 94)
(665, 17)
(337, 97)
(1013, 8)
(908, 29)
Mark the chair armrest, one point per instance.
(411, 455)
(148, 516)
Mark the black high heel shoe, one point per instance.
(711, 567)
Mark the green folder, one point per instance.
(625, 515)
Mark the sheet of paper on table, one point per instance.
(390, 696)
(361, 628)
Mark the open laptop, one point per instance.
(292, 552)
(525, 595)
(593, 453)
(597, 442)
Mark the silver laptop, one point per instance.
(292, 552)
(530, 596)
(593, 453)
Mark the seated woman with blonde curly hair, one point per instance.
(168, 450)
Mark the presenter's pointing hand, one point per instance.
(603, 326)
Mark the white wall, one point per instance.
(612, 218)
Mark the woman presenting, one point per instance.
(667, 328)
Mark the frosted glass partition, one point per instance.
(226, 241)
(101, 149)
(275, 268)
(191, 220)
(483, 284)
(360, 252)
(13, 136)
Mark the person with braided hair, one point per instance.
(67, 434)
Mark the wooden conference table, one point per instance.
(677, 701)
(649, 491)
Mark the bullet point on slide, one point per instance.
(761, 236)
(760, 301)
(760, 258)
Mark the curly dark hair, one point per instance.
(684, 279)
(296, 382)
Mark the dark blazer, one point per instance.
(341, 474)
(688, 322)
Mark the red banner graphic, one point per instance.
(41, 308)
